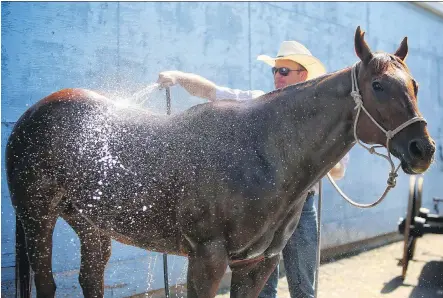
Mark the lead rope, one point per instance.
(391, 182)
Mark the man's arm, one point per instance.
(204, 88)
(194, 84)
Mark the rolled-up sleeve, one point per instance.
(236, 94)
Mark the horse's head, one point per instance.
(389, 94)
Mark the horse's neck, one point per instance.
(313, 127)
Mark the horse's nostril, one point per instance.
(416, 149)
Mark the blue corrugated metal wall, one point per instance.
(121, 47)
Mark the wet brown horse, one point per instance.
(222, 183)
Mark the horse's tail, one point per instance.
(22, 266)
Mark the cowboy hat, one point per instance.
(295, 51)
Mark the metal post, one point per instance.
(165, 273)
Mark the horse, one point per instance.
(222, 183)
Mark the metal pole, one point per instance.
(165, 273)
(165, 256)
(319, 236)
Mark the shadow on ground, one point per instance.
(430, 282)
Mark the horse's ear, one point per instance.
(402, 50)
(361, 47)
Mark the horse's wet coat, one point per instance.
(222, 183)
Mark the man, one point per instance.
(294, 64)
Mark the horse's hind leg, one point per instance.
(95, 254)
(38, 224)
(248, 280)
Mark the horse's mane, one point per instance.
(299, 87)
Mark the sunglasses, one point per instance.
(284, 71)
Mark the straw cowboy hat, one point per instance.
(295, 51)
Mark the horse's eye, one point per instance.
(415, 87)
(377, 86)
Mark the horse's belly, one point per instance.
(142, 230)
(134, 218)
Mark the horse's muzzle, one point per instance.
(418, 156)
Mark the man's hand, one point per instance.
(337, 172)
(194, 84)
(168, 78)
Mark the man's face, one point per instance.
(295, 76)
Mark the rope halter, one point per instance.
(391, 182)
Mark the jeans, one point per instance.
(299, 257)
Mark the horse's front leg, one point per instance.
(249, 279)
(207, 265)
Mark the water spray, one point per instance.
(165, 256)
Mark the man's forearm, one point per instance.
(197, 85)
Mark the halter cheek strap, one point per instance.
(391, 182)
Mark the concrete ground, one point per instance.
(376, 273)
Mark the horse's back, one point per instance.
(72, 94)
